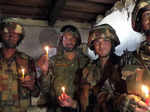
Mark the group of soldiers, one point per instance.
(70, 81)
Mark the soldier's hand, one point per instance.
(67, 101)
(43, 63)
(28, 82)
(131, 103)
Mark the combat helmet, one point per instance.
(140, 7)
(10, 25)
(103, 31)
(74, 31)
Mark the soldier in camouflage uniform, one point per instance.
(15, 89)
(101, 77)
(64, 70)
(136, 66)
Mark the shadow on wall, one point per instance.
(36, 38)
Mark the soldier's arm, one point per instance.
(44, 82)
(29, 81)
(84, 92)
(35, 91)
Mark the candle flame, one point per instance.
(63, 89)
(145, 90)
(23, 71)
(46, 49)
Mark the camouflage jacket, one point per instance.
(14, 97)
(63, 72)
(136, 69)
(107, 78)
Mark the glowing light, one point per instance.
(23, 72)
(46, 50)
(145, 90)
(63, 89)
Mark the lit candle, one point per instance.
(46, 50)
(146, 92)
(63, 92)
(23, 71)
(63, 89)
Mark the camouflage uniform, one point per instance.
(63, 72)
(14, 97)
(135, 65)
(107, 80)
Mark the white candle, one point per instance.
(23, 72)
(63, 89)
(46, 50)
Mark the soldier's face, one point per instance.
(10, 38)
(69, 41)
(102, 47)
(146, 20)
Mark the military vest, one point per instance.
(66, 72)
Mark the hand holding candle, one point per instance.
(65, 100)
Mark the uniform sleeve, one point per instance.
(28, 63)
(35, 92)
(45, 80)
(85, 75)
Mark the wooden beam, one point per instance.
(36, 17)
(29, 12)
(68, 18)
(103, 1)
(56, 10)
(29, 3)
(86, 6)
(74, 14)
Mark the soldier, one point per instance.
(101, 77)
(135, 68)
(17, 72)
(64, 69)
(136, 71)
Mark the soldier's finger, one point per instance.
(137, 109)
(60, 101)
(142, 104)
(61, 98)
